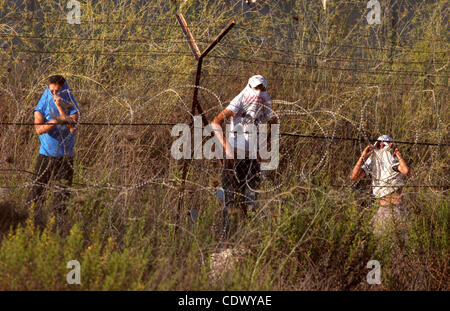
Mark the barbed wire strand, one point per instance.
(281, 133)
(260, 61)
(272, 48)
(56, 19)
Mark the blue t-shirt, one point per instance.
(59, 142)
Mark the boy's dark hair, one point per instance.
(57, 79)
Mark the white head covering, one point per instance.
(385, 139)
(381, 164)
(257, 80)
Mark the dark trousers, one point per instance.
(47, 171)
(240, 180)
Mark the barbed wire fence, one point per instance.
(329, 139)
(106, 134)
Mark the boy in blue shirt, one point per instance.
(55, 117)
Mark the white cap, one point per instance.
(257, 80)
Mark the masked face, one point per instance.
(55, 88)
(257, 90)
(382, 145)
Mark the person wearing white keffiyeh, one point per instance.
(385, 164)
(241, 176)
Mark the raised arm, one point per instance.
(402, 167)
(43, 127)
(63, 117)
(358, 172)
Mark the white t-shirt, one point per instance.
(382, 165)
(250, 107)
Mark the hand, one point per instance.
(58, 100)
(367, 152)
(62, 120)
(72, 127)
(397, 152)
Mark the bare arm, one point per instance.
(402, 167)
(358, 172)
(41, 126)
(63, 117)
(73, 121)
(216, 124)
